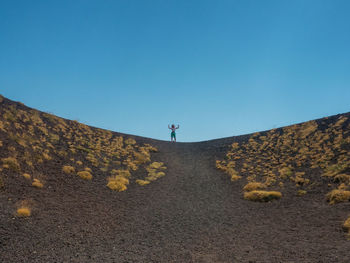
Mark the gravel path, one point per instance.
(193, 214)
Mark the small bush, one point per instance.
(23, 211)
(301, 192)
(88, 169)
(157, 165)
(346, 225)
(85, 175)
(342, 178)
(2, 183)
(235, 177)
(253, 186)
(338, 196)
(79, 163)
(142, 158)
(142, 182)
(68, 169)
(130, 141)
(37, 183)
(27, 176)
(262, 196)
(117, 183)
(285, 172)
(11, 163)
(152, 176)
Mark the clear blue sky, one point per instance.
(218, 68)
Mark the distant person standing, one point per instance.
(173, 129)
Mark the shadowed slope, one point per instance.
(192, 214)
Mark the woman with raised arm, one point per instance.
(173, 129)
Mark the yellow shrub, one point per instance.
(24, 211)
(46, 156)
(342, 178)
(270, 181)
(85, 175)
(157, 165)
(253, 186)
(235, 177)
(27, 176)
(2, 183)
(346, 225)
(130, 141)
(37, 183)
(117, 183)
(88, 169)
(142, 182)
(142, 158)
(68, 169)
(285, 172)
(150, 147)
(337, 196)
(121, 173)
(79, 163)
(11, 163)
(262, 196)
(154, 176)
(301, 192)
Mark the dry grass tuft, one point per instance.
(117, 183)
(27, 176)
(2, 183)
(338, 196)
(24, 208)
(11, 163)
(253, 186)
(88, 169)
(346, 225)
(142, 182)
(85, 175)
(157, 165)
(342, 178)
(68, 169)
(37, 183)
(301, 192)
(130, 141)
(262, 196)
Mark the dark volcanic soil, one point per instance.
(193, 214)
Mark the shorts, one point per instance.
(173, 135)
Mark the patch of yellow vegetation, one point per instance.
(262, 196)
(24, 209)
(117, 183)
(85, 175)
(11, 163)
(26, 175)
(142, 182)
(88, 169)
(337, 196)
(253, 186)
(342, 178)
(68, 169)
(346, 225)
(130, 141)
(301, 192)
(37, 183)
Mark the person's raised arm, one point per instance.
(169, 126)
(178, 126)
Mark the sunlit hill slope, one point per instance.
(74, 193)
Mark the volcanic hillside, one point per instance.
(74, 193)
